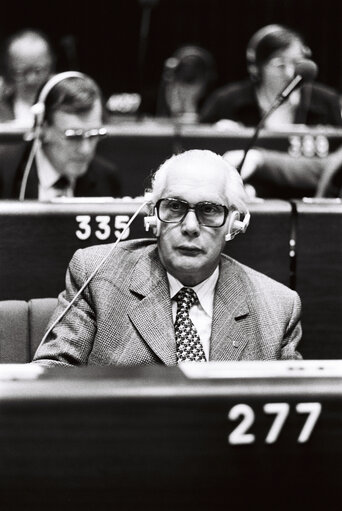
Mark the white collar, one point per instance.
(47, 174)
(204, 290)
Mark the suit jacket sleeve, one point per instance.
(293, 333)
(284, 170)
(71, 340)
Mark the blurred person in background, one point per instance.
(188, 76)
(28, 61)
(272, 55)
(280, 175)
(65, 163)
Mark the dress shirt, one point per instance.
(48, 177)
(201, 314)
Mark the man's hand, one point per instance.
(253, 161)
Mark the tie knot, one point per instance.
(62, 183)
(186, 297)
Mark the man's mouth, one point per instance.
(189, 250)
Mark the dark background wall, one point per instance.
(102, 38)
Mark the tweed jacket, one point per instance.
(124, 315)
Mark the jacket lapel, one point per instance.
(152, 316)
(229, 328)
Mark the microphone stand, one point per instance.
(298, 80)
(147, 6)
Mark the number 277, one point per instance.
(240, 434)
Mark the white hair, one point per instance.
(235, 192)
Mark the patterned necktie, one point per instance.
(189, 346)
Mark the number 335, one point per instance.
(103, 230)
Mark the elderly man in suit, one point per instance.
(176, 298)
(64, 163)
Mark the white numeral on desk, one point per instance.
(120, 223)
(84, 230)
(308, 146)
(241, 436)
(103, 231)
(103, 228)
(281, 410)
(314, 410)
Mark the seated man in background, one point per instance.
(272, 55)
(176, 298)
(65, 163)
(27, 61)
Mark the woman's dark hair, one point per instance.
(269, 39)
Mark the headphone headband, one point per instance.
(50, 84)
(257, 37)
(38, 108)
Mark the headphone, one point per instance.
(38, 110)
(234, 226)
(256, 39)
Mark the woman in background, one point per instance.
(272, 55)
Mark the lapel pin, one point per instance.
(235, 344)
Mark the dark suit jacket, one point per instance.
(6, 108)
(318, 105)
(124, 316)
(100, 180)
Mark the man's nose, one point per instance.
(190, 224)
(290, 70)
(32, 78)
(86, 146)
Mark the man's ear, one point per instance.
(46, 133)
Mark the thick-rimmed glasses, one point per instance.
(173, 211)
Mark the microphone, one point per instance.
(305, 71)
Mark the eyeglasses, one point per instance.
(209, 214)
(21, 74)
(282, 63)
(79, 134)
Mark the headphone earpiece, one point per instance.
(235, 225)
(153, 223)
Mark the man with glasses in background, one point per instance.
(177, 297)
(65, 163)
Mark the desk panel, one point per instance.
(151, 438)
(38, 239)
(138, 148)
(319, 277)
